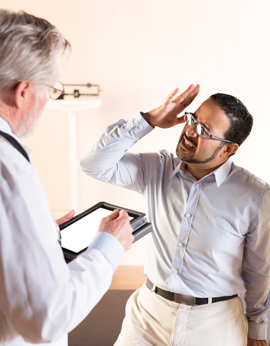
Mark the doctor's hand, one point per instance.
(118, 224)
(65, 218)
(165, 116)
(252, 342)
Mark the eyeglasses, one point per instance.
(56, 91)
(200, 129)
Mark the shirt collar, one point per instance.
(220, 173)
(5, 127)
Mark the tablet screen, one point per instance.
(78, 235)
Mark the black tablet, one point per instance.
(78, 232)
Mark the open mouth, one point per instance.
(186, 144)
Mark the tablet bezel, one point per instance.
(138, 221)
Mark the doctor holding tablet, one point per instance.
(41, 297)
(76, 235)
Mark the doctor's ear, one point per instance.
(21, 93)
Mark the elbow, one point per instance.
(90, 166)
(47, 332)
(84, 163)
(81, 163)
(42, 327)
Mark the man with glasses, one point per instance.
(210, 219)
(41, 297)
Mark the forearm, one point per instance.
(256, 269)
(257, 303)
(257, 300)
(44, 301)
(257, 324)
(119, 137)
(112, 145)
(43, 298)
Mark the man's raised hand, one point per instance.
(165, 116)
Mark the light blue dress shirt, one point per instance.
(210, 237)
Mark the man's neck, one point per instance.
(199, 171)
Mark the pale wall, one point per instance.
(138, 51)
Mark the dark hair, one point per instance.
(240, 118)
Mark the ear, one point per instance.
(21, 93)
(229, 149)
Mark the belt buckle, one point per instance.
(184, 299)
(154, 289)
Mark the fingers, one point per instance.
(171, 96)
(118, 224)
(184, 99)
(184, 94)
(188, 95)
(181, 120)
(65, 218)
(114, 215)
(126, 238)
(122, 219)
(123, 214)
(187, 101)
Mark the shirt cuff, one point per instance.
(109, 246)
(257, 331)
(138, 126)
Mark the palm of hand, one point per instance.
(165, 116)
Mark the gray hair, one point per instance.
(29, 50)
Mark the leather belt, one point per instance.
(184, 299)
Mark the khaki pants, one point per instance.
(154, 321)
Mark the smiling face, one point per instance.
(204, 155)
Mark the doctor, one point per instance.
(41, 297)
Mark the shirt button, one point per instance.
(140, 127)
(180, 244)
(135, 121)
(175, 271)
(197, 185)
(188, 215)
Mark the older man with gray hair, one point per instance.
(41, 297)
